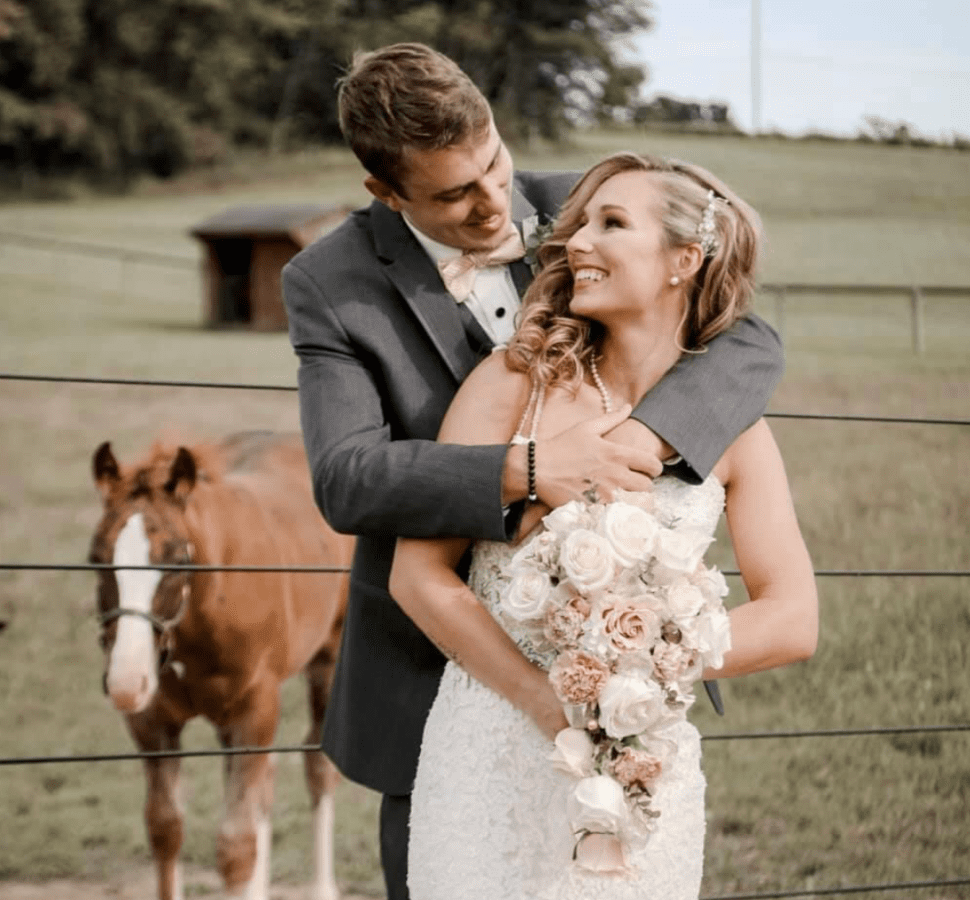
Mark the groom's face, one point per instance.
(459, 196)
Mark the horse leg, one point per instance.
(245, 836)
(321, 778)
(163, 812)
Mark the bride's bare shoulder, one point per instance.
(488, 404)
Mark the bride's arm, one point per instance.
(780, 624)
(424, 583)
(423, 579)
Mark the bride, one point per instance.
(524, 789)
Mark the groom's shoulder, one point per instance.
(347, 243)
(546, 191)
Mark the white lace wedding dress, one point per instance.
(488, 816)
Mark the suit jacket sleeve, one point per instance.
(369, 475)
(708, 399)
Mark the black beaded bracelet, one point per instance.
(533, 496)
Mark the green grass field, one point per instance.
(784, 814)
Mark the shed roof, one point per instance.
(267, 220)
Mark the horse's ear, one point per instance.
(181, 477)
(105, 468)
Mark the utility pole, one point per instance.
(755, 66)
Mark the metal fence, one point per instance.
(937, 885)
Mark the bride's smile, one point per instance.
(620, 263)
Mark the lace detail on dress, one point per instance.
(488, 813)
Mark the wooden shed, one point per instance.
(246, 248)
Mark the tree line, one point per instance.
(111, 89)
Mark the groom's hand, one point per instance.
(635, 434)
(598, 456)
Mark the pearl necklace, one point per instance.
(604, 393)
(537, 400)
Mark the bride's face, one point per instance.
(619, 262)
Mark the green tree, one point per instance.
(541, 63)
(116, 88)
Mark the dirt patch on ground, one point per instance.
(139, 884)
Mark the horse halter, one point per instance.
(162, 627)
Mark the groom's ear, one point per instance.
(383, 192)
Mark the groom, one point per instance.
(383, 346)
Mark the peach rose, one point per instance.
(630, 626)
(564, 622)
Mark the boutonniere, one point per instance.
(536, 230)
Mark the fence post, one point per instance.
(916, 306)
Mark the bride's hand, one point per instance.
(546, 710)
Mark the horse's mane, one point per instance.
(153, 471)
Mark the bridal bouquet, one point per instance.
(620, 604)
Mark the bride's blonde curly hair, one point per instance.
(554, 346)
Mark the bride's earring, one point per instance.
(674, 280)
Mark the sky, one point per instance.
(825, 64)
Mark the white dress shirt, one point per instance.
(494, 301)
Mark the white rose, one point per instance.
(566, 518)
(684, 600)
(528, 595)
(542, 552)
(714, 638)
(574, 752)
(711, 583)
(681, 549)
(631, 531)
(597, 804)
(629, 706)
(587, 559)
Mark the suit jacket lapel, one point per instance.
(417, 280)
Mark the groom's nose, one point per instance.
(493, 198)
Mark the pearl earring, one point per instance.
(674, 280)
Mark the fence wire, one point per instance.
(225, 385)
(305, 748)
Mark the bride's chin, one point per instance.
(585, 310)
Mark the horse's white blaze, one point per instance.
(131, 677)
(325, 884)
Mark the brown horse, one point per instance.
(219, 644)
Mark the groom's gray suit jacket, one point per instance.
(382, 349)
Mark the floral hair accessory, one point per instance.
(707, 230)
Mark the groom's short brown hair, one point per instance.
(406, 96)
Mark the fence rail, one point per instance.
(917, 294)
(781, 291)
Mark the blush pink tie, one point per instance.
(459, 273)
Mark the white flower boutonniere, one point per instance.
(535, 230)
